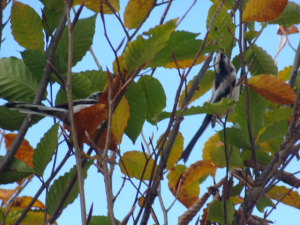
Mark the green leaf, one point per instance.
(44, 151)
(236, 137)
(236, 190)
(272, 145)
(53, 18)
(257, 107)
(138, 108)
(184, 46)
(219, 158)
(220, 107)
(273, 116)
(98, 79)
(216, 212)
(250, 35)
(26, 26)
(101, 220)
(83, 34)
(59, 187)
(16, 80)
(141, 50)
(13, 119)
(56, 5)
(289, 16)
(263, 203)
(36, 61)
(262, 157)
(262, 62)
(219, 30)
(155, 96)
(188, 112)
(276, 130)
(15, 171)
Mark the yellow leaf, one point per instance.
(22, 202)
(198, 170)
(26, 26)
(119, 119)
(176, 150)
(291, 199)
(135, 162)
(187, 195)
(236, 200)
(123, 71)
(212, 143)
(285, 73)
(94, 5)
(36, 218)
(263, 10)
(273, 88)
(135, 12)
(182, 64)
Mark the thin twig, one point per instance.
(295, 67)
(163, 208)
(186, 13)
(95, 58)
(165, 12)
(71, 110)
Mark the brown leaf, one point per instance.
(263, 10)
(286, 31)
(273, 88)
(22, 202)
(24, 152)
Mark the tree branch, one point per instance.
(295, 67)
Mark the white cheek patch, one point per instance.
(77, 108)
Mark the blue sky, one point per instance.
(195, 21)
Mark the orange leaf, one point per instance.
(273, 88)
(24, 152)
(291, 199)
(204, 216)
(197, 170)
(187, 195)
(22, 202)
(5, 194)
(263, 10)
(286, 31)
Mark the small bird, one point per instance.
(220, 88)
(59, 111)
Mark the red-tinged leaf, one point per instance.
(187, 195)
(24, 152)
(94, 5)
(263, 10)
(204, 216)
(135, 162)
(22, 202)
(135, 12)
(273, 88)
(287, 31)
(291, 199)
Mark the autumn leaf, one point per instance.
(135, 162)
(273, 88)
(24, 152)
(212, 143)
(197, 170)
(94, 5)
(285, 73)
(135, 12)
(291, 199)
(187, 195)
(119, 119)
(287, 31)
(22, 202)
(263, 10)
(5, 194)
(183, 64)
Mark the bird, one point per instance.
(220, 88)
(60, 111)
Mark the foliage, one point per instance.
(133, 98)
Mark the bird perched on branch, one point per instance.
(60, 112)
(223, 82)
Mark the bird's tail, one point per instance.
(34, 109)
(186, 153)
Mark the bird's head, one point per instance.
(221, 64)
